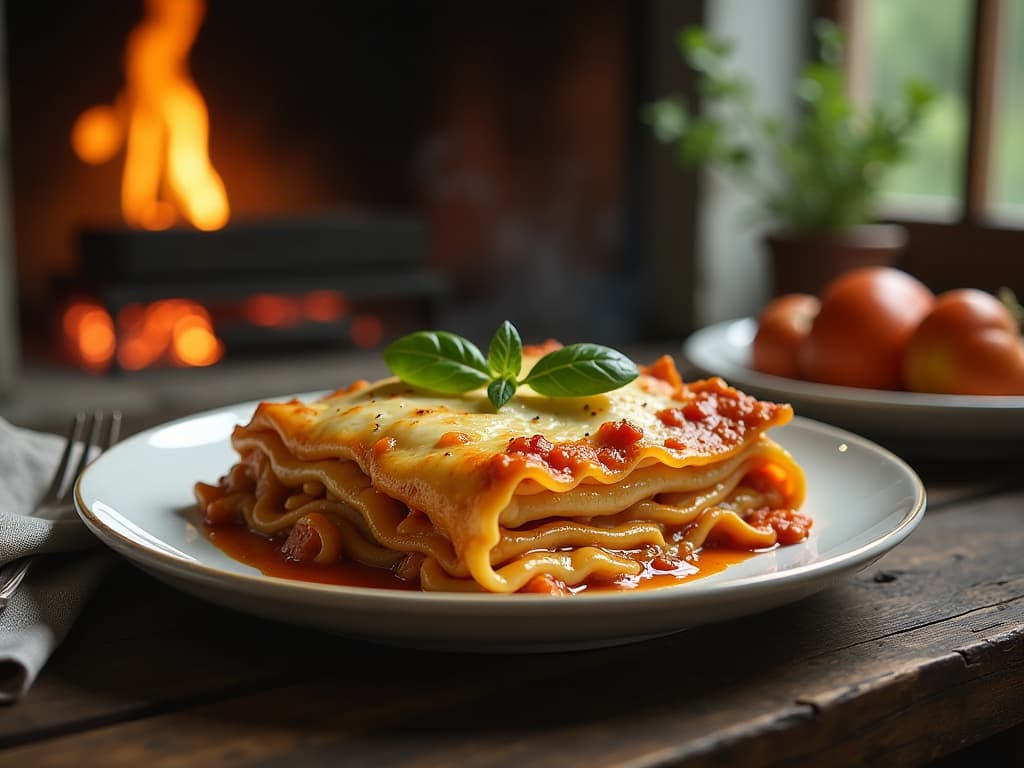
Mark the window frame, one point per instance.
(971, 249)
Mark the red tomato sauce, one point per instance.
(265, 554)
(715, 416)
(613, 446)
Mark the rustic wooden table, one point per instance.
(914, 660)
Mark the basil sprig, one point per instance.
(447, 363)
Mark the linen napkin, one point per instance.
(41, 612)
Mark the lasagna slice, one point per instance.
(544, 495)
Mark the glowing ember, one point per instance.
(366, 331)
(174, 331)
(194, 343)
(89, 335)
(324, 306)
(161, 118)
(270, 310)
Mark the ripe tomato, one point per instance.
(866, 318)
(969, 344)
(781, 328)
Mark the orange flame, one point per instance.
(161, 118)
(175, 331)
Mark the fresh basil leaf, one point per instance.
(505, 355)
(500, 391)
(437, 360)
(579, 370)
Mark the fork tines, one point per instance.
(94, 433)
(96, 430)
(95, 424)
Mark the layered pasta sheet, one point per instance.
(564, 492)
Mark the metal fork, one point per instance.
(94, 431)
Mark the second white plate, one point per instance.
(949, 425)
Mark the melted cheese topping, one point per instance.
(565, 487)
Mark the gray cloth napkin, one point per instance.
(41, 612)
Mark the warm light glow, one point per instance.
(163, 122)
(194, 343)
(134, 354)
(366, 331)
(324, 306)
(175, 331)
(97, 134)
(96, 337)
(89, 335)
(73, 317)
(271, 310)
(130, 316)
(158, 215)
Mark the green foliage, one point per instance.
(505, 354)
(579, 370)
(438, 360)
(447, 363)
(821, 174)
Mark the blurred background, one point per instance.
(333, 175)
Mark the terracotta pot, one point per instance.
(806, 264)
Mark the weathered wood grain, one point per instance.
(915, 658)
(141, 648)
(951, 482)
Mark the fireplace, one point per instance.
(383, 167)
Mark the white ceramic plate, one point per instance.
(953, 425)
(135, 498)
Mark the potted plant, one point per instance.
(816, 179)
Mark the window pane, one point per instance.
(1008, 155)
(915, 39)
